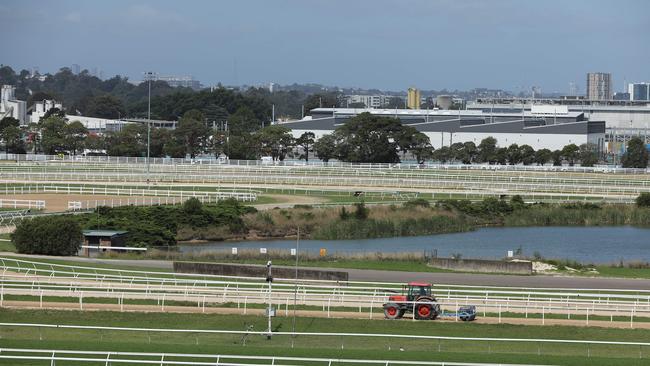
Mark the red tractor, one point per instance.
(418, 299)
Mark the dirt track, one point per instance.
(55, 202)
(304, 313)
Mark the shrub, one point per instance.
(361, 212)
(54, 235)
(417, 202)
(343, 214)
(517, 202)
(643, 200)
(193, 206)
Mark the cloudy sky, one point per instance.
(386, 44)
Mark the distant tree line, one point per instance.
(87, 95)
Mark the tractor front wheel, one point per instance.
(392, 311)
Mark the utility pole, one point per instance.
(269, 310)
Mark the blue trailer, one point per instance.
(464, 313)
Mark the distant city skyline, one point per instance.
(382, 44)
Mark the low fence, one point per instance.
(29, 204)
(637, 350)
(482, 265)
(109, 358)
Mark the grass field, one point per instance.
(312, 346)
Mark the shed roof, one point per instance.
(104, 232)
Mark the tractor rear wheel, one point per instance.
(424, 312)
(392, 311)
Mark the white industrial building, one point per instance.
(12, 107)
(41, 108)
(550, 128)
(616, 114)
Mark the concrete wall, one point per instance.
(481, 265)
(245, 270)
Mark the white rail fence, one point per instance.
(29, 204)
(142, 201)
(109, 358)
(326, 297)
(298, 163)
(115, 191)
(368, 308)
(26, 267)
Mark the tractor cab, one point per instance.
(415, 290)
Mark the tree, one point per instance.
(129, 141)
(542, 156)
(52, 235)
(321, 100)
(95, 142)
(105, 106)
(306, 142)
(457, 152)
(242, 146)
(325, 147)
(275, 141)
(217, 143)
(367, 138)
(513, 154)
(487, 149)
(556, 155)
(471, 152)
(53, 135)
(53, 112)
(527, 154)
(420, 147)
(636, 154)
(13, 140)
(192, 133)
(160, 137)
(570, 153)
(74, 135)
(588, 154)
(501, 156)
(243, 120)
(8, 121)
(442, 155)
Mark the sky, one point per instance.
(383, 44)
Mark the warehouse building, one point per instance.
(540, 128)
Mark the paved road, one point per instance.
(443, 278)
(501, 280)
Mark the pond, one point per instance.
(584, 244)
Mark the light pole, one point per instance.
(295, 288)
(149, 77)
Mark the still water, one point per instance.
(584, 244)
